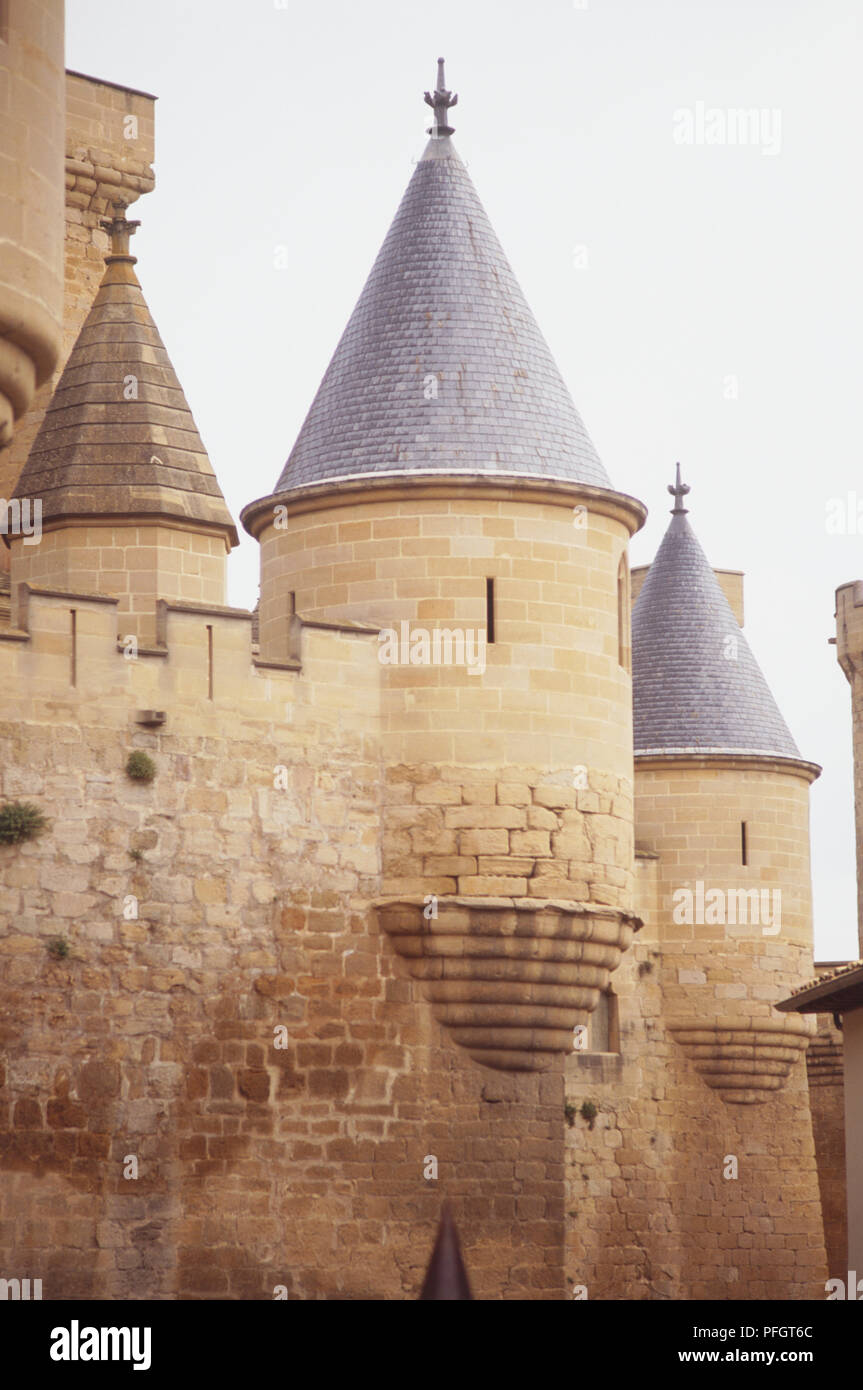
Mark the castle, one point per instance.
(505, 927)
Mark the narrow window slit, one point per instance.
(209, 661)
(744, 845)
(624, 617)
(489, 610)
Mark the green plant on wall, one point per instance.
(570, 1113)
(588, 1112)
(140, 766)
(20, 820)
(58, 948)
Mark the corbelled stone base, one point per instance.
(509, 978)
(744, 1062)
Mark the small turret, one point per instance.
(129, 503)
(722, 798)
(444, 488)
(849, 653)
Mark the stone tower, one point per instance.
(708, 1186)
(330, 963)
(444, 489)
(722, 796)
(129, 503)
(31, 203)
(849, 654)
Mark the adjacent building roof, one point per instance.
(838, 992)
(696, 685)
(118, 436)
(442, 366)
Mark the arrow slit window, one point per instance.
(624, 621)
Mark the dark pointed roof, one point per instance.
(696, 687)
(118, 436)
(442, 366)
(446, 1277)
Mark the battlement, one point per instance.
(64, 646)
(849, 627)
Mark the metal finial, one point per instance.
(441, 101)
(678, 492)
(120, 230)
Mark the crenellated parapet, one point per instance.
(62, 646)
(849, 629)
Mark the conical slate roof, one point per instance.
(118, 436)
(442, 365)
(695, 684)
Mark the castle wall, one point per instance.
(253, 857)
(162, 941)
(651, 1213)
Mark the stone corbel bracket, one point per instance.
(508, 978)
(746, 1060)
(94, 180)
(824, 1065)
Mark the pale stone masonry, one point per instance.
(367, 912)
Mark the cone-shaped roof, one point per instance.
(442, 365)
(446, 1277)
(118, 437)
(696, 687)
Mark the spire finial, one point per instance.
(678, 492)
(119, 230)
(441, 101)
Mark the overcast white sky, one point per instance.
(703, 300)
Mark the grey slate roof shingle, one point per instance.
(442, 303)
(97, 452)
(688, 695)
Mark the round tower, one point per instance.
(722, 796)
(117, 490)
(849, 654)
(31, 203)
(444, 489)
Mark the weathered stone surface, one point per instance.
(234, 1079)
